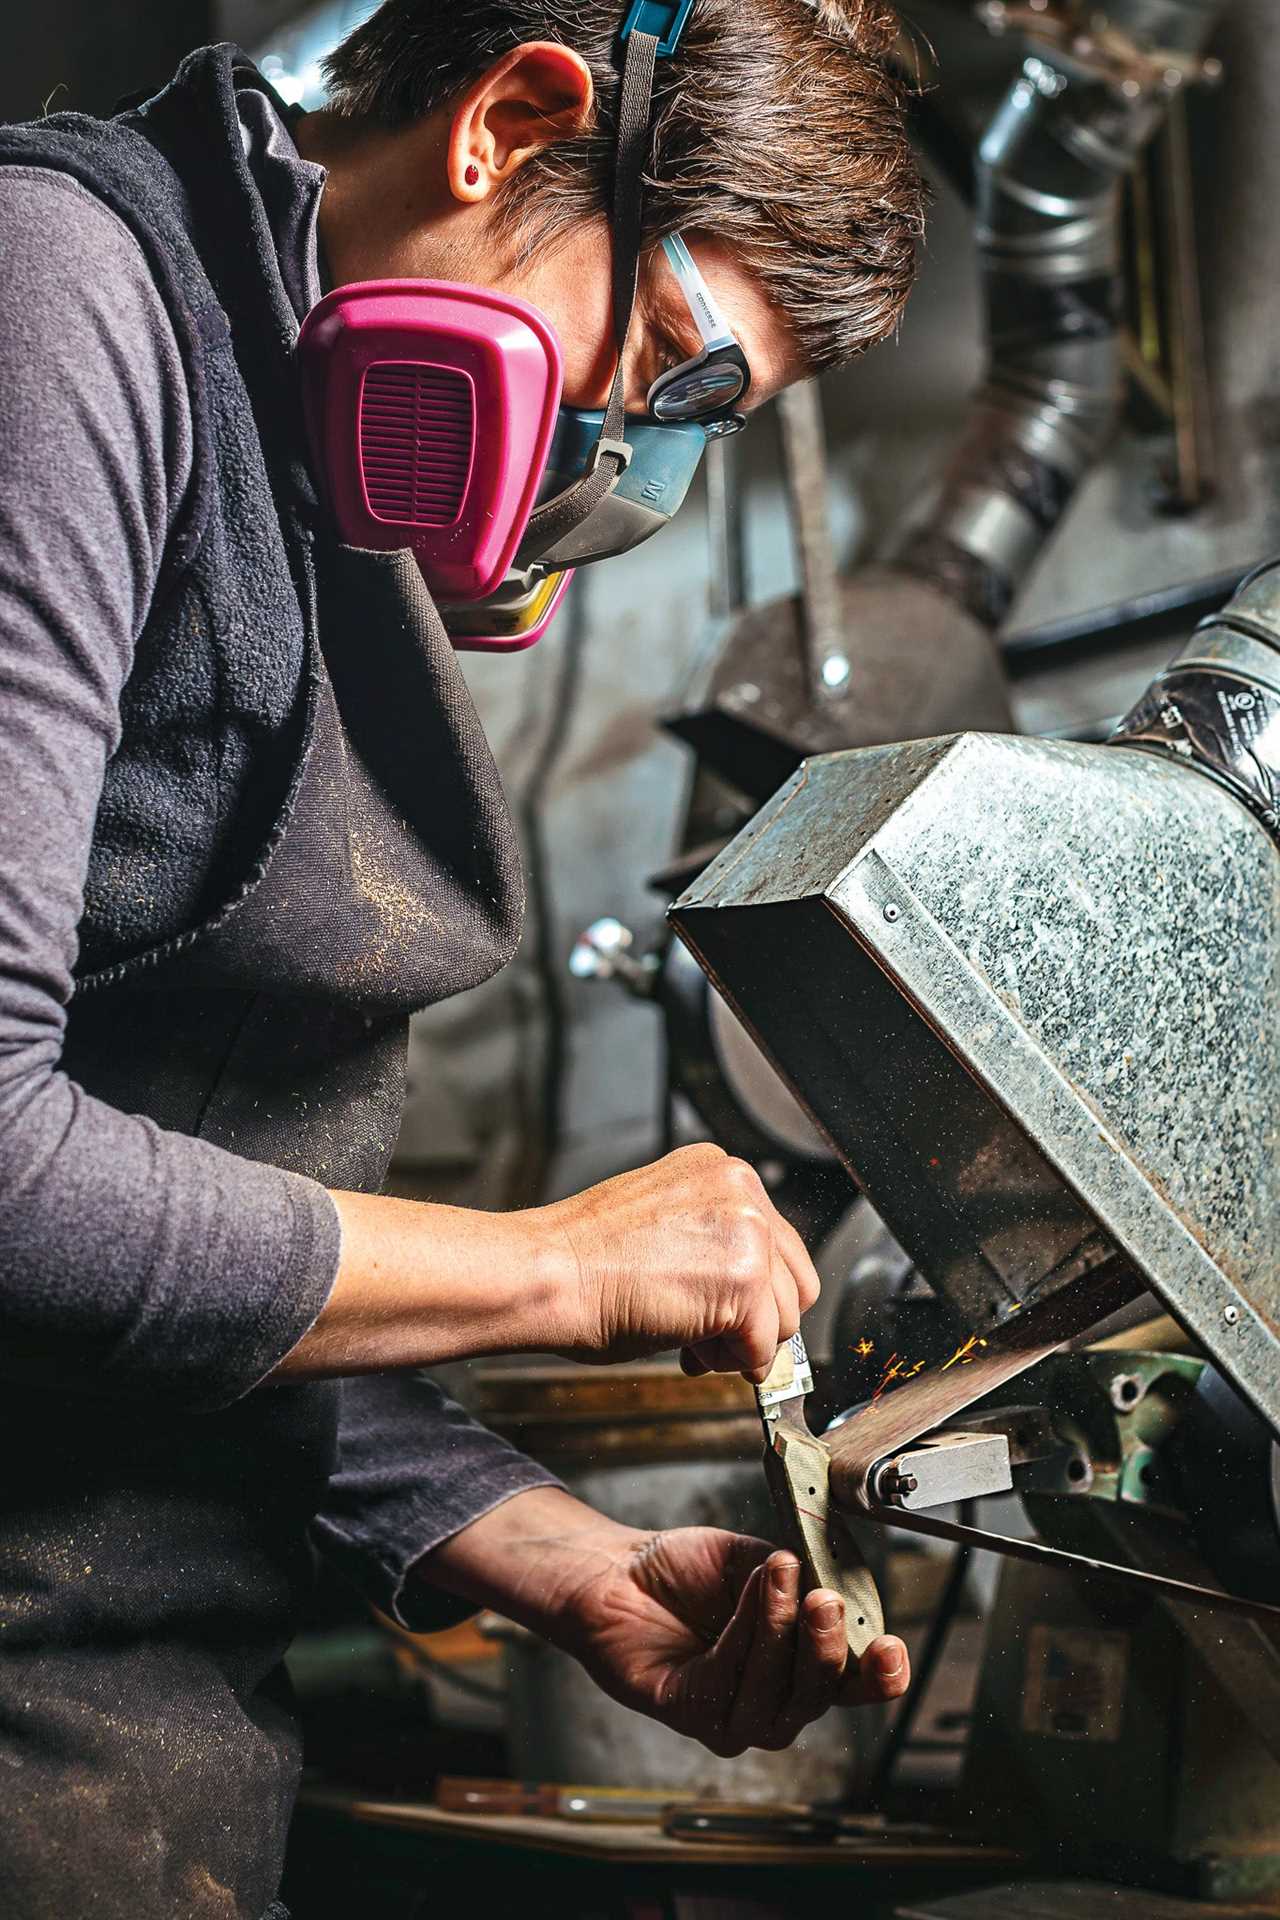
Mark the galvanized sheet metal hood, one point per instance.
(1030, 991)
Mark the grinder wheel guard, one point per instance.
(1030, 991)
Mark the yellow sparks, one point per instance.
(963, 1355)
(865, 1348)
(896, 1368)
(892, 1368)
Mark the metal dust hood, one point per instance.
(1030, 991)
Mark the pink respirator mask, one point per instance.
(431, 410)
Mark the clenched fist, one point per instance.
(688, 1253)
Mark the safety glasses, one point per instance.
(709, 388)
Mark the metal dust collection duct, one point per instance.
(1031, 992)
(1049, 226)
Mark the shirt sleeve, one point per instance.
(413, 1470)
(135, 1260)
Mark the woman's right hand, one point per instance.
(689, 1252)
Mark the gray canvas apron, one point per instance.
(152, 1562)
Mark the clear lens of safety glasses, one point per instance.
(690, 393)
(707, 388)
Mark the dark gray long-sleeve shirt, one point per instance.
(109, 1225)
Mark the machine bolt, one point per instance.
(892, 913)
(1079, 1473)
(891, 1486)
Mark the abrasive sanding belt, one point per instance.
(809, 1476)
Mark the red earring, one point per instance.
(472, 175)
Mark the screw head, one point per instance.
(892, 913)
(1231, 1315)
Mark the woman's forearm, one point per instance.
(688, 1253)
(419, 1284)
(532, 1559)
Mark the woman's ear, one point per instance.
(535, 95)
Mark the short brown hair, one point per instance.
(779, 127)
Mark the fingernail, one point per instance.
(890, 1664)
(782, 1573)
(824, 1618)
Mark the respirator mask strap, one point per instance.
(611, 456)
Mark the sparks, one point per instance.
(865, 1348)
(964, 1355)
(892, 1368)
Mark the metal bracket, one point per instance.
(1082, 37)
(664, 19)
(941, 1468)
(827, 664)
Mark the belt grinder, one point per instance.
(892, 1461)
(1029, 992)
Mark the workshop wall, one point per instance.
(86, 54)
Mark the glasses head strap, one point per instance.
(651, 31)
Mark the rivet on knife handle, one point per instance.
(796, 1466)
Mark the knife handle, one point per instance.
(797, 1467)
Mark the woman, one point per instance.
(252, 824)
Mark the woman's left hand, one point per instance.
(706, 1632)
(700, 1629)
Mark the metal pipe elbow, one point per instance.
(1048, 214)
